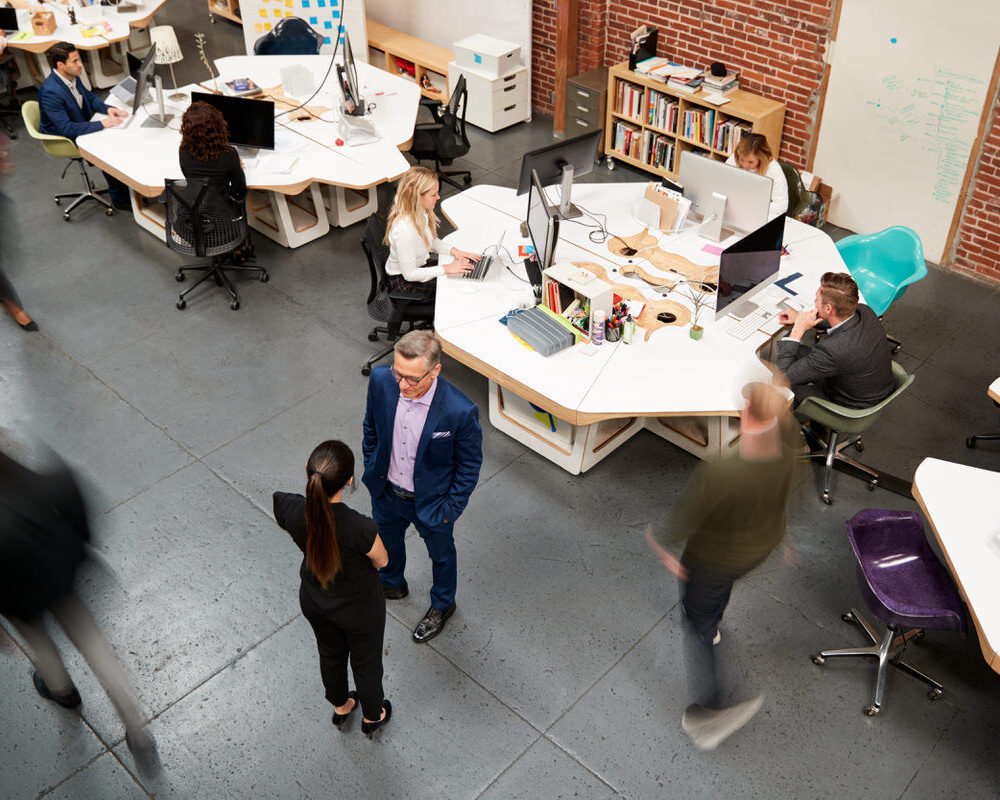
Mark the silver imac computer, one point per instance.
(748, 267)
(725, 197)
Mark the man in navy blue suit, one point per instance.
(67, 105)
(423, 448)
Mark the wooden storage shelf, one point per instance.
(427, 59)
(230, 9)
(762, 114)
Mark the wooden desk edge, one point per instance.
(994, 396)
(991, 656)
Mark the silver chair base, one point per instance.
(833, 455)
(89, 193)
(888, 649)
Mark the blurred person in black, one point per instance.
(43, 537)
(732, 515)
(8, 233)
(341, 593)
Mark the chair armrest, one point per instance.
(428, 126)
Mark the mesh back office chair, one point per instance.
(846, 426)
(291, 37)
(61, 147)
(883, 265)
(906, 586)
(798, 197)
(201, 222)
(445, 139)
(391, 307)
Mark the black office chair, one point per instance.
(444, 140)
(971, 440)
(10, 106)
(201, 222)
(798, 197)
(385, 305)
(292, 36)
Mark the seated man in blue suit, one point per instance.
(423, 448)
(67, 105)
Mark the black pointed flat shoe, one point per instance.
(340, 719)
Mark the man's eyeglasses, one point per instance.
(409, 381)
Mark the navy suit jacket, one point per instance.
(449, 453)
(61, 115)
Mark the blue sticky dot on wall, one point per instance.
(327, 24)
(893, 40)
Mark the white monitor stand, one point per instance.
(714, 210)
(566, 209)
(161, 118)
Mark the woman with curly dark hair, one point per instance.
(206, 153)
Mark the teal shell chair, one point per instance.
(883, 264)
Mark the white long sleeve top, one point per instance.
(408, 253)
(779, 187)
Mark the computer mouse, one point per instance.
(666, 317)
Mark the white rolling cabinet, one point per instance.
(494, 102)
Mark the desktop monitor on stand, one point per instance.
(543, 228)
(250, 122)
(145, 72)
(747, 268)
(561, 163)
(727, 198)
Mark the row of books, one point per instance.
(658, 151)
(698, 125)
(628, 99)
(628, 139)
(728, 133)
(663, 111)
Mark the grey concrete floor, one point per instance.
(561, 673)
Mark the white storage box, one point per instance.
(493, 57)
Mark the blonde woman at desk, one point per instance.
(753, 154)
(411, 233)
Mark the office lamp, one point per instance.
(168, 51)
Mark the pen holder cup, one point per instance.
(612, 334)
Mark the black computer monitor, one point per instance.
(561, 162)
(8, 19)
(354, 104)
(143, 75)
(747, 267)
(134, 64)
(543, 225)
(251, 122)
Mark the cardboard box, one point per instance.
(43, 23)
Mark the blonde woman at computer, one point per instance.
(411, 233)
(753, 154)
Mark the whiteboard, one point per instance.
(444, 22)
(907, 88)
(260, 16)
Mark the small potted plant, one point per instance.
(699, 300)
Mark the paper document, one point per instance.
(280, 163)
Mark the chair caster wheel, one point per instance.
(610, 164)
(372, 337)
(366, 371)
(467, 180)
(970, 442)
(873, 485)
(181, 305)
(872, 710)
(66, 216)
(179, 276)
(57, 201)
(859, 446)
(235, 305)
(918, 636)
(110, 212)
(848, 617)
(894, 349)
(264, 277)
(934, 694)
(817, 659)
(827, 499)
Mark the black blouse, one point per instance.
(223, 173)
(358, 580)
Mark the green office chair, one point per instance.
(61, 147)
(846, 426)
(883, 265)
(798, 197)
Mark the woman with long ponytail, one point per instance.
(341, 593)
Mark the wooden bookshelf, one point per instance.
(761, 114)
(230, 9)
(386, 44)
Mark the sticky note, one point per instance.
(321, 3)
(258, 28)
(289, 14)
(711, 249)
(478, 58)
(263, 12)
(288, 3)
(277, 12)
(305, 3)
(267, 26)
(333, 3)
(327, 24)
(326, 40)
(313, 21)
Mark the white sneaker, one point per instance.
(709, 727)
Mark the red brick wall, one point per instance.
(591, 39)
(977, 249)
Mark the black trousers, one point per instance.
(354, 633)
(418, 290)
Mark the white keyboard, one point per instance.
(751, 323)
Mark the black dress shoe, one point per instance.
(432, 624)
(69, 700)
(340, 719)
(368, 728)
(30, 325)
(396, 592)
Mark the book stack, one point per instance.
(658, 151)
(699, 126)
(728, 133)
(628, 99)
(655, 68)
(663, 110)
(727, 84)
(628, 139)
(688, 80)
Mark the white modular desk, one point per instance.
(688, 392)
(129, 27)
(328, 184)
(960, 504)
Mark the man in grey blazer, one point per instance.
(851, 365)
